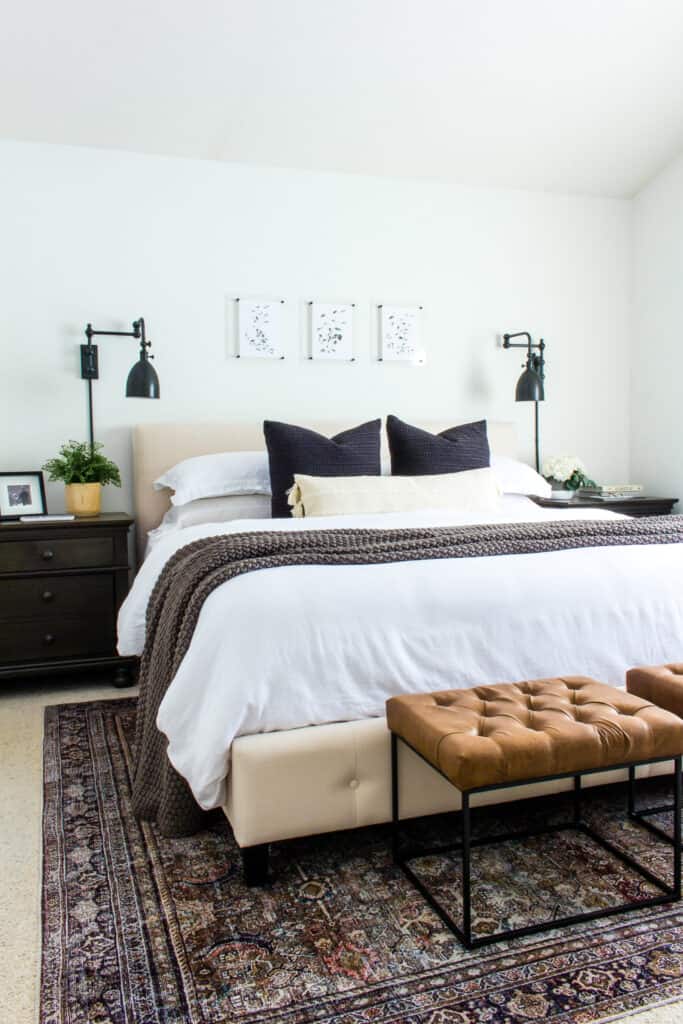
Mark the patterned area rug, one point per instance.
(138, 929)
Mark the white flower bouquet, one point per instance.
(565, 473)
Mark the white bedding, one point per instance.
(302, 645)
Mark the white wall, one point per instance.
(106, 236)
(657, 360)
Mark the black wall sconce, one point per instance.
(530, 386)
(142, 382)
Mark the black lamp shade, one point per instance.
(142, 380)
(529, 387)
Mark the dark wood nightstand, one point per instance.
(61, 585)
(642, 505)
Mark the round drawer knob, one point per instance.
(47, 595)
(49, 638)
(47, 554)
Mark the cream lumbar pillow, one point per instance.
(472, 490)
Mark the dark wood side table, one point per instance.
(61, 585)
(641, 505)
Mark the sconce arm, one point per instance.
(516, 344)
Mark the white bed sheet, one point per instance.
(303, 645)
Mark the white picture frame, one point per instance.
(260, 329)
(400, 334)
(331, 331)
(22, 494)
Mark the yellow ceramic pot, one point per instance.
(83, 499)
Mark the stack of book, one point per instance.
(610, 492)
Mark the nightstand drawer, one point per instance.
(37, 555)
(30, 640)
(61, 585)
(52, 597)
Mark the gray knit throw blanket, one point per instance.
(159, 793)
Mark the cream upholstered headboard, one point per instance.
(158, 446)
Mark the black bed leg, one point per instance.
(255, 864)
(124, 676)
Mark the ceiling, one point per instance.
(561, 95)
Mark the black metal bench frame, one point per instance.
(401, 858)
(644, 813)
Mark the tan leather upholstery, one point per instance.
(490, 735)
(660, 684)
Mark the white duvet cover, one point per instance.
(303, 645)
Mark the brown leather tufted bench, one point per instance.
(659, 684)
(490, 737)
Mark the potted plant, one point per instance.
(565, 474)
(84, 471)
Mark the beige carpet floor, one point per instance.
(21, 731)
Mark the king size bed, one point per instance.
(275, 710)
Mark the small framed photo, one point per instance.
(22, 494)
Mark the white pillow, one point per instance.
(517, 478)
(214, 476)
(210, 510)
(473, 490)
(218, 510)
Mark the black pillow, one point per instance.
(416, 452)
(291, 450)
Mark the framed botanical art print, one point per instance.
(399, 334)
(331, 331)
(22, 494)
(260, 329)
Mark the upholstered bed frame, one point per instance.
(320, 778)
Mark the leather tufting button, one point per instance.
(354, 784)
